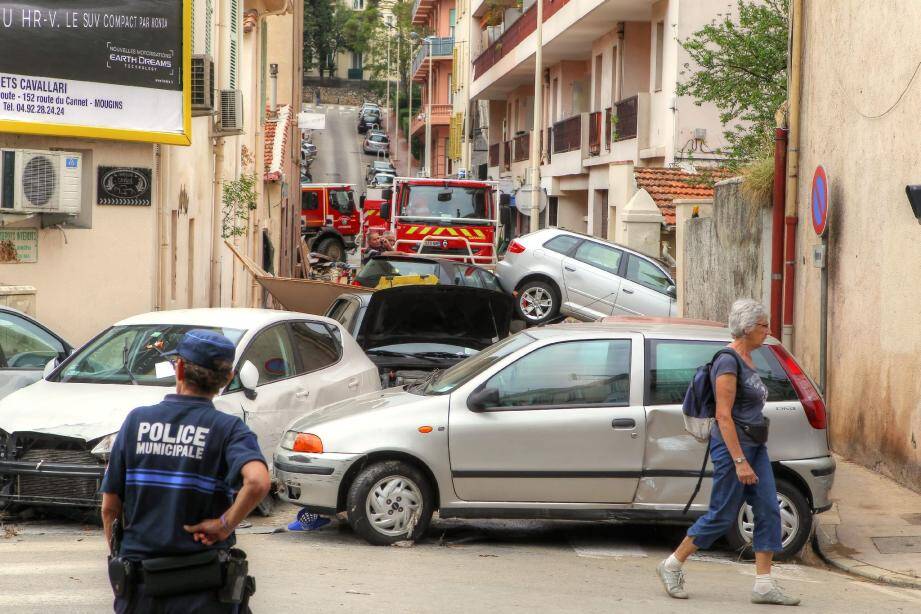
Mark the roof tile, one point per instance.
(665, 185)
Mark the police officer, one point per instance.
(172, 476)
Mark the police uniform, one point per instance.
(175, 463)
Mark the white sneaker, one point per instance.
(673, 581)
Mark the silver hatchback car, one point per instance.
(553, 271)
(571, 421)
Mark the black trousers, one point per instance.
(205, 602)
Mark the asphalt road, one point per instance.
(463, 567)
(339, 155)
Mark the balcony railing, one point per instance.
(608, 120)
(522, 147)
(549, 149)
(517, 32)
(441, 48)
(567, 135)
(507, 156)
(594, 133)
(626, 110)
(441, 115)
(355, 73)
(494, 154)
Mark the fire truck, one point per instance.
(330, 222)
(457, 219)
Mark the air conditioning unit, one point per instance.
(40, 181)
(202, 85)
(230, 120)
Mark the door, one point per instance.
(25, 349)
(566, 427)
(343, 213)
(591, 279)
(644, 289)
(311, 209)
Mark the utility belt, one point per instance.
(224, 571)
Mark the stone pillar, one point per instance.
(684, 211)
(641, 224)
(621, 188)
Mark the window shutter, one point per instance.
(234, 41)
(209, 17)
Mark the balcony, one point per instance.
(441, 116)
(442, 49)
(494, 155)
(522, 144)
(626, 113)
(421, 10)
(507, 156)
(594, 133)
(567, 135)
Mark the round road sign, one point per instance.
(819, 201)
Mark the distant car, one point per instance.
(286, 364)
(368, 120)
(382, 180)
(26, 347)
(377, 143)
(379, 166)
(555, 272)
(570, 421)
(369, 106)
(410, 331)
(446, 272)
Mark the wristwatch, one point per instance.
(739, 460)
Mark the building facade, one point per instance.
(609, 102)
(114, 260)
(873, 341)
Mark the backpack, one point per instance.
(699, 409)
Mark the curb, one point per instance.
(825, 540)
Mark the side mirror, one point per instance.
(672, 291)
(361, 201)
(385, 210)
(482, 399)
(49, 367)
(387, 194)
(249, 378)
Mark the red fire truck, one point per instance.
(457, 219)
(330, 221)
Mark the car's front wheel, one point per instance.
(537, 302)
(390, 501)
(795, 523)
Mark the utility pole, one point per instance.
(409, 130)
(428, 116)
(538, 111)
(396, 114)
(389, 75)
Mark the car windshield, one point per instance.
(132, 355)
(450, 203)
(370, 275)
(378, 138)
(451, 379)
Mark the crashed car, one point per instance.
(56, 435)
(25, 348)
(385, 270)
(410, 331)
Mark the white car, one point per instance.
(55, 435)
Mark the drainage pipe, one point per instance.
(777, 227)
(790, 221)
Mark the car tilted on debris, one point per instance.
(570, 421)
(55, 436)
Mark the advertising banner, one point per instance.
(96, 68)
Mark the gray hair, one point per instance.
(744, 316)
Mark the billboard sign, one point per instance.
(112, 69)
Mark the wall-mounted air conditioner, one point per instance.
(230, 118)
(40, 181)
(202, 85)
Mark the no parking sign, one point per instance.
(819, 201)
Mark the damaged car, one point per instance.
(26, 346)
(56, 435)
(410, 331)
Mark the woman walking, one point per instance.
(741, 467)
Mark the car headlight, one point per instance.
(302, 442)
(104, 448)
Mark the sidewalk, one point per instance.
(398, 149)
(874, 528)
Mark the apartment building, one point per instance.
(467, 144)
(609, 104)
(433, 68)
(145, 231)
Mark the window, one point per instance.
(315, 347)
(647, 274)
(599, 256)
(234, 42)
(343, 311)
(552, 211)
(370, 275)
(272, 355)
(570, 374)
(490, 281)
(311, 201)
(358, 5)
(660, 53)
(452, 19)
(451, 379)
(562, 244)
(342, 201)
(672, 364)
(356, 60)
(452, 202)
(23, 345)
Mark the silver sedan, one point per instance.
(574, 421)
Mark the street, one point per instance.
(340, 159)
(474, 566)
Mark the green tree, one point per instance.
(741, 67)
(324, 23)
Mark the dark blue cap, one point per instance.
(204, 348)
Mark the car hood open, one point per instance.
(459, 315)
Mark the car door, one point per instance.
(645, 289)
(592, 280)
(25, 349)
(567, 427)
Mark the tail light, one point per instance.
(810, 398)
(515, 247)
